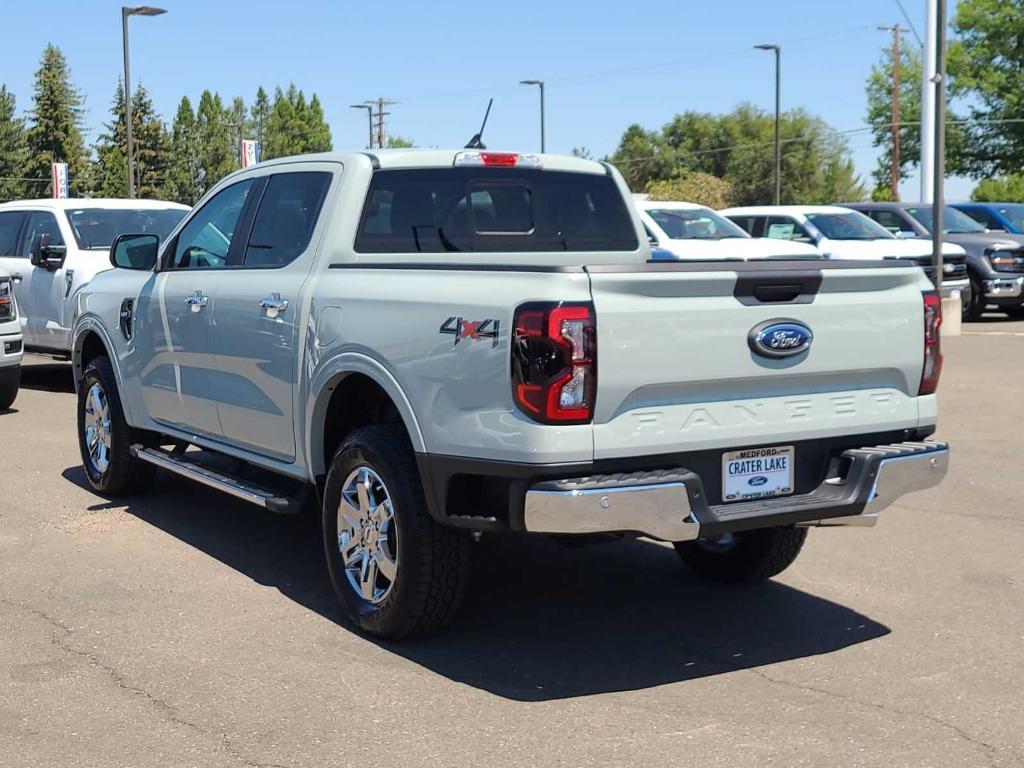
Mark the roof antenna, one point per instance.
(477, 142)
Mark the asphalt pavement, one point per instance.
(184, 628)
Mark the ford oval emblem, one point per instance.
(757, 480)
(780, 338)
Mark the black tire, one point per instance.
(122, 473)
(745, 557)
(9, 393)
(972, 303)
(432, 562)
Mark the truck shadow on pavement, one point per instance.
(47, 377)
(541, 621)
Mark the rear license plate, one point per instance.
(757, 473)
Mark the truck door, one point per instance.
(43, 288)
(175, 342)
(258, 314)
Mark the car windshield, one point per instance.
(848, 226)
(96, 228)
(954, 222)
(694, 224)
(1013, 212)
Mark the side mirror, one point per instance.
(804, 239)
(47, 256)
(135, 251)
(652, 239)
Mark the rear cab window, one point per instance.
(452, 210)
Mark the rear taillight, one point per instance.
(554, 362)
(932, 350)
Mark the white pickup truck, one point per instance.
(431, 344)
(53, 248)
(10, 343)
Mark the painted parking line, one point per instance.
(992, 333)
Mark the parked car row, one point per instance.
(985, 267)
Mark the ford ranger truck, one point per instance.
(427, 345)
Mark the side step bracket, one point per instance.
(181, 463)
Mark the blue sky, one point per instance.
(606, 64)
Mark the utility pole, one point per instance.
(380, 103)
(895, 181)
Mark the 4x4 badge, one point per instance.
(472, 330)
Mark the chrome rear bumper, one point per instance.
(671, 505)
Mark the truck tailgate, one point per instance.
(676, 372)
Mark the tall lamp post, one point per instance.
(369, 116)
(778, 140)
(539, 83)
(138, 10)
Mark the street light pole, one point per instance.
(539, 83)
(939, 159)
(369, 117)
(778, 102)
(139, 10)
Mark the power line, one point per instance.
(906, 17)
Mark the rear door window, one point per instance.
(438, 210)
(284, 222)
(10, 228)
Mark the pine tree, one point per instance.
(296, 126)
(259, 116)
(55, 134)
(13, 149)
(318, 138)
(184, 174)
(238, 122)
(149, 142)
(217, 157)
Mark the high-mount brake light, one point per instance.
(497, 159)
(554, 362)
(932, 368)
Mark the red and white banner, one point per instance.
(250, 152)
(59, 172)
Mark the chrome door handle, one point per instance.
(274, 304)
(197, 301)
(16, 277)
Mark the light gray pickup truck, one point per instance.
(431, 344)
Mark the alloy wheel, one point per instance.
(368, 535)
(97, 428)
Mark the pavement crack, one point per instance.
(120, 680)
(990, 749)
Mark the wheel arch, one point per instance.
(90, 340)
(365, 381)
